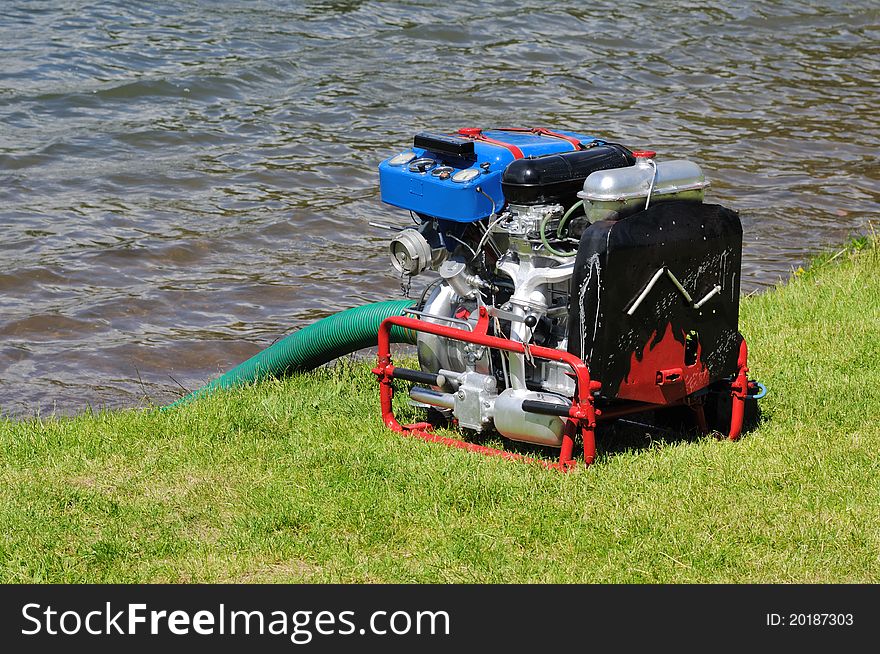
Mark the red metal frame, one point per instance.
(582, 414)
(739, 390)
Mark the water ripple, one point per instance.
(182, 183)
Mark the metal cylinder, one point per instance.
(619, 192)
(410, 252)
(415, 249)
(517, 424)
(432, 397)
(455, 273)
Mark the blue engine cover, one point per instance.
(439, 196)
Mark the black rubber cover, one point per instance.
(557, 178)
(416, 376)
(444, 144)
(546, 408)
(701, 244)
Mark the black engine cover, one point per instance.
(649, 342)
(557, 178)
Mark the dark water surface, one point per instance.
(181, 184)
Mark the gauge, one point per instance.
(443, 172)
(466, 175)
(401, 159)
(422, 165)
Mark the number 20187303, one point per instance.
(809, 619)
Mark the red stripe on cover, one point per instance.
(476, 134)
(541, 131)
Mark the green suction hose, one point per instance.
(318, 343)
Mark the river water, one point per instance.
(181, 183)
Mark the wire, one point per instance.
(455, 238)
(482, 242)
(421, 303)
(480, 190)
(542, 231)
(500, 332)
(567, 215)
(653, 179)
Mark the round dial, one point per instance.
(466, 175)
(443, 172)
(422, 165)
(401, 159)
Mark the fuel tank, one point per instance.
(457, 177)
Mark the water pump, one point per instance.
(576, 280)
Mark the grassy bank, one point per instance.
(298, 481)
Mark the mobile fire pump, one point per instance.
(576, 281)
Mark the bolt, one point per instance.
(460, 395)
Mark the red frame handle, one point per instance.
(582, 415)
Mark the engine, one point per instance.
(566, 242)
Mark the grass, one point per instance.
(297, 480)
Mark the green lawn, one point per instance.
(298, 480)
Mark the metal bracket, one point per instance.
(687, 296)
